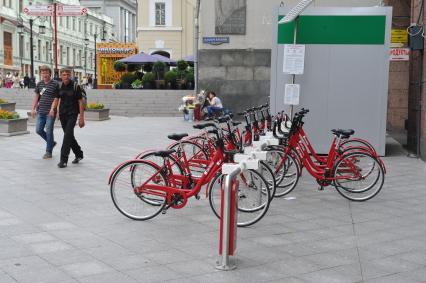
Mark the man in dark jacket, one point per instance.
(71, 106)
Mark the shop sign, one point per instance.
(400, 54)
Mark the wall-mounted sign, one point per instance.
(399, 36)
(400, 54)
(294, 59)
(39, 10)
(292, 94)
(115, 50)
(215, 40)
(71, 10)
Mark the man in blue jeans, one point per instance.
(45, 92)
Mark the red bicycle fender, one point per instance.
(127, 161)
(144, 152)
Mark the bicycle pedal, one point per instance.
(320, 188)
(164, 211)
(197, 197)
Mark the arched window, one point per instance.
(162, 53)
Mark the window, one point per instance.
(68, 22)
(61, 21)
(47, 51)
(68, 56)
(61, 54)
(85, 28)
(39, 50)
(79, 26)
(91, 29)
(73, 56)
(73, 23)
(160, 14)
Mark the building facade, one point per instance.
(123, 14)
(76, 39)
(166, 27)
(239, 70)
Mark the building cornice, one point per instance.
(159, 29)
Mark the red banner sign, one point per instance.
(71, 10)
(39, 10)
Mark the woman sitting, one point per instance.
(215, 105)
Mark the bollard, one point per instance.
(232, 170)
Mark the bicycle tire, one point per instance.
(135, 198)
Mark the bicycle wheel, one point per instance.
(287, 173)
(253, 197)
(195, 155)
(358, 176)
(133, 204)
(269, 176)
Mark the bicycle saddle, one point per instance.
(343, 132)
(164, 153)
(203, 126)
(177, 137)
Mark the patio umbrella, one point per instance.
(140, 58)
(189, 58)
(165, 59)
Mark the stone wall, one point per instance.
(241, 78)
(128, 103)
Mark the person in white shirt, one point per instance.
(215, 104)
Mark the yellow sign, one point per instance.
(399, 36)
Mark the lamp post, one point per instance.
(42, 30)
(95, 36)
(20, 27)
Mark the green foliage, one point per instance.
(128, 78)
(116, 85)
(94, 105)
(7, 115)
(119, 66)
(158, 69)
(170, 77)
(148, 77)
(137, 84)
(189, 77)
(2, 101)
(181, 65)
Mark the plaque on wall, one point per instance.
(230, 16)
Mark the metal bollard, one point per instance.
(226, 264)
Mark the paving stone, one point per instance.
(84, 269)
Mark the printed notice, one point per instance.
(292, 94)
(294, 59)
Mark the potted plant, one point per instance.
(127, 79)
(182, 67)
(8, 106)
(119, 66)
(158, 70)
(170, 78)
(11, 124)
(96, 112)
(137, 84)
(148, 80)
(116, 85)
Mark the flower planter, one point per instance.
(32, 121)
(9, 106)
(13, 127)
(96, 114)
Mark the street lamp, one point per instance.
(95, 36)
(42, 30)
(20, 27)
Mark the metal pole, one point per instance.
(293, 77)
(196, 38)
(32, 80)
(55, 42)
(95, 79)
(225, 264)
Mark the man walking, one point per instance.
(45, 93)
(71, 104)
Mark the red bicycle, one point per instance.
(141, 189)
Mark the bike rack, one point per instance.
(248, 161)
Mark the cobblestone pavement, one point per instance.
(59, 225)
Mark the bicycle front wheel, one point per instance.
(128, 199)
(358, 176)
(253, 197)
